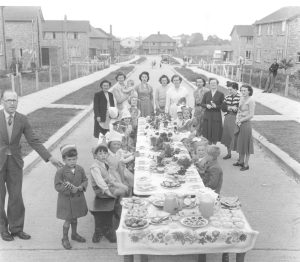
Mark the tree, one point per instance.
(196, 39)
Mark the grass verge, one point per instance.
(284, 134)
(45, 122)
(85, 95)
(139, 61)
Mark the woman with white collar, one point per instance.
(114, 143)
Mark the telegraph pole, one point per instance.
(4, 38)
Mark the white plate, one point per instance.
(194, 221)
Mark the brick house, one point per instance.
(242, 43)
(99, 43)
(278, 36)
(64, 41)
(23, 35)
(159, 44)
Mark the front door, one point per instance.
(45, 57)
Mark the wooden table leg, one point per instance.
(225, 257)
(144, 258)
(202, 258)
(128, 258)
(240, 257)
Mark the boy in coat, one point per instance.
(70, 183)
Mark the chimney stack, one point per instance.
(158, 32)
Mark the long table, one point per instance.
(174, 238)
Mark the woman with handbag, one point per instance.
(243, 141)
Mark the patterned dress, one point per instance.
(199, 110)
(145, 96)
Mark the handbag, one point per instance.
(236, 130)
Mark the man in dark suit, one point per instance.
(12, 126)
(270, 84)
(102, 101)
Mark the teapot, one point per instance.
(172, 204)
(206, 204)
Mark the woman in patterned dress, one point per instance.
(145, 95)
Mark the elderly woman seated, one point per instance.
(210, 170)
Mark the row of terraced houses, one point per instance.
(274, 36)
(27, 37)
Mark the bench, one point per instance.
(104, 210)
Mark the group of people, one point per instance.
(116, 113)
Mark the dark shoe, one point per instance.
(244, 168)
(97, 237)
(238, 164)
(66, 243)
(264, 91)
(227, 157)
(6, 236)
(270, 91)
(21, 235)
(78, 238)
(111, 236)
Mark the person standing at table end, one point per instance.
(270, 84)
(161, 94)
(12, 126)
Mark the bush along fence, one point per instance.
(285, 84)
(27, 82)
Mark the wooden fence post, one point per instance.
(232, 68)
(60, 74)
(20, 84)
(260, 77)
(250, 79)
(69, 67)
(286, 89)
(76, 68)
(50, 76)
(237, 75)
(36, 80)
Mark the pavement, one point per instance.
(288, 109)
(270, 201)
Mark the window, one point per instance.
(1, 48)
(283, 26)
(53, 35)
(73, 35)
(74, 51)
(21, 52)
(153, 43)
(279, 54)
(298, 58)
(270, 29)
(259, 30)
(248, 54)
(258, 55)
(249, 39)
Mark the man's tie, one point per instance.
(10, 119)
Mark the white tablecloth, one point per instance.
(143, 174)
(174, 239)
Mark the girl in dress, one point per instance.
(243, 142)
(145, 95)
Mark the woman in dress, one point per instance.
(198, 96)
(174, 95)
(230, 107)
(212, 119)
(121, 92)
(161, 94)
(145, 95)
(243, 142)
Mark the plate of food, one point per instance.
(194, 221)
(158, 203)
(170, 184)
(189, 202)
(134, 201)
(137, 212)
(145, 187)
(135, 223)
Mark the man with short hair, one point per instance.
(12, 126)
(272, 77)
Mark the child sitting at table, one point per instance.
(187, 121)
(179, 119)
(199, 151)
(212, 174)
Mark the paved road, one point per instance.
(270, 199)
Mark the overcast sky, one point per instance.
(172, 17)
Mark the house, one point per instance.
(65, 41)
(99, 43)
(130, 42)
(113, 43)
(242, 40)
(278, 36)
(23, 35)
(159, 44)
